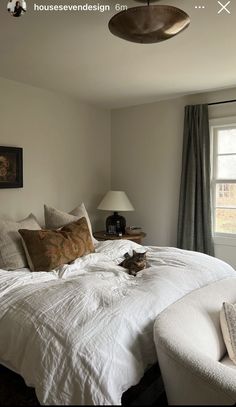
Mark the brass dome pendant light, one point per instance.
(149, 24)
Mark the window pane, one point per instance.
(226, 195)
(226, 167)
(227, 141)
(225, 221)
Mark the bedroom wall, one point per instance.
(146, 163)
(146, 146)
(59, 137)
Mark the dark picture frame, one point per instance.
(11, 167)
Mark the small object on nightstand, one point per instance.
(102, 235)
(133, 230)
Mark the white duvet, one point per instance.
(84, 334)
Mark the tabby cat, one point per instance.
(134, 263)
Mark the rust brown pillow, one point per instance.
(48, 249)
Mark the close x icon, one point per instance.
(224, 7)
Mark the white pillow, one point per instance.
(55, 219)
(228, 327)
(12, 255)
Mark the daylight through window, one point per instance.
(224, 179)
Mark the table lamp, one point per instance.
(115, 201)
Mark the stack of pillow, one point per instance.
(66, 237)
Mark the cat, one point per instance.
(134, 263)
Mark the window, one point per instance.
(224, 176)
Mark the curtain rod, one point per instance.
(222, 103)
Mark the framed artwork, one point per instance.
(11, 167)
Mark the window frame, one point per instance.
(216, 124)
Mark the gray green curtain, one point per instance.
(194, 223)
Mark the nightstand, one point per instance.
(102, 235)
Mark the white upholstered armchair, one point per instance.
(195, 367)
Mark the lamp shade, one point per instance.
(116, 201)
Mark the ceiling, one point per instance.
(74, 53)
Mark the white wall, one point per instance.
(146, 146)
(66, 147)
(146, 163)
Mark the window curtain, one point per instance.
(194, 223)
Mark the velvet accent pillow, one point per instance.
(228, 327)
(48, 249)
(12, 255)
(55, 219)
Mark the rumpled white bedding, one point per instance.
(83, 334)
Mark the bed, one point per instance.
(83, 334)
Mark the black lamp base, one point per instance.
(115, 224)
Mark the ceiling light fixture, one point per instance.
(149, 24)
